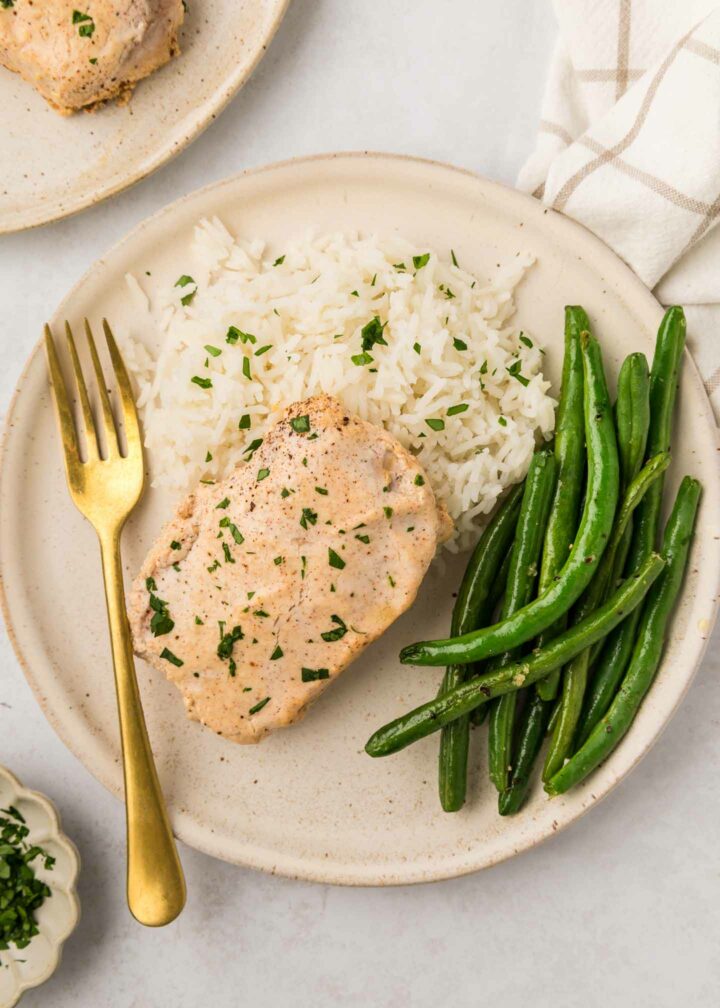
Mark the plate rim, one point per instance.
(214, 108)
(397, 872)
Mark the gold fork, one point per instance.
(105, 486)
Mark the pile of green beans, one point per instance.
(585, 600)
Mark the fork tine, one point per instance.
(62, 405)
(91, 444)
(111, 439)
(133, 436)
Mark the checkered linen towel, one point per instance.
(629, 145)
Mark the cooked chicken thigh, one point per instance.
(83, 52)
(263, 588)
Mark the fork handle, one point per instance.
(155, 881)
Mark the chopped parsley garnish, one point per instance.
(309, 517)
(399, 266)
(419, 480)
(208, 457)
(229, 558)
(502, 421)
(278, 560)
(359, 360)
(261, 703)
(335, 560)
(226, 645)
(93, 60)
(322, 491)
(285, 492)
(244, 423)
(263, 349)
(252, 448)
(213, 350)
(167, 654)
(21, 892)
(459, 344)
(261, 614)
(161, 622)
(514, 370)
(446, 291)
(523, 339)
(205, 383)
(222, 504)
(233, 530)
(435, 424)
(417, 348)
(354, 294)
(313, 674)
(391, 581)
(279, 261)
(300, 424)
(460, 408)
(213, 567)
(183, 281)
(262, 474)
(363, 539)
(421, 260)
(337, 633)
(175, 545)
(484, 367)
(372, 334)
(246, 368)
(454, 260)
(234, 335)
(86, 25)
(277, 653)
(388, 512)
(199, 622)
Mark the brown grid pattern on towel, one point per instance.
(622, 75)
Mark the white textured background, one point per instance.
(623, 909)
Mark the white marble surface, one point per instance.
(623, 909)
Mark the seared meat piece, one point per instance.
(264, 587)
(83, 52)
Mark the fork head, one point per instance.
(104, 458)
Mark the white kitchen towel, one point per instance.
(629, 145)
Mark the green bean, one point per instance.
(663, 389)
(585, 555)
(431, 716)
(632, 420)
(569, 454)
(648, 650)
(575, 677)
(532, 732)
(632, 415)
(473, 606)
(477, 716)
(616, 651)
(522, 576)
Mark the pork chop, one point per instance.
(263, 588)
(78, 54)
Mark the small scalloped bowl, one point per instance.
(21, 969)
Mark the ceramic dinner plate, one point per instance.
(55, 165)
(307, 802)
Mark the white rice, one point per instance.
(308, 302)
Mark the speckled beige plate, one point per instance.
(53, 166)
(308, 802)
(21, 969)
